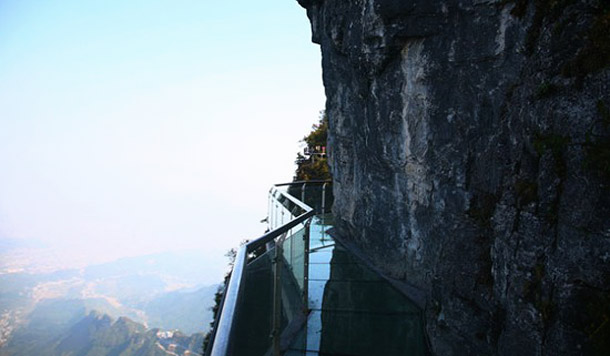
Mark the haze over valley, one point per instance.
(41, 302)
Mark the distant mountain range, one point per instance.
(98, 334)
(69, 312)
(9, 244)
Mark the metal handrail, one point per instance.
(292, 199)
(313, 181)
(219, 341)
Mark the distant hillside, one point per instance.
(8, 244)
(97, 334)
(48, 313)
(165, 291)
(189, 312)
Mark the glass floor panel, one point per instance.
(361, 334)
(326, 254)
(353, 310)
(301, 353)
(359, 297)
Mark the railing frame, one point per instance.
(219, 341)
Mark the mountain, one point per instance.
(173, 268)
(92, 329)
(186, 311)
(97, 334)
(9, 244)
(166, 291)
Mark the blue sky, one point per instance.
(130, 127)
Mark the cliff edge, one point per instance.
(469, 143)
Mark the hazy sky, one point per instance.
(137, 126)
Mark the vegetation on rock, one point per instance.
(314, 164)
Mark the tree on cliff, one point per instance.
(312, 164)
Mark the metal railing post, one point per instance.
(323, 199)
(303, 192)
(306, 267)
(270, 210)
(293, 214)
(277, 295)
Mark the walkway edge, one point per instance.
(415, 294)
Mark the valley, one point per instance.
(164, 296)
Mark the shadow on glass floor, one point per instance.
(355, 312)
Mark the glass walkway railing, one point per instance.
(294, 291)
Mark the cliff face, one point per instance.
(470, 148)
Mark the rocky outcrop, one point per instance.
(470, 148)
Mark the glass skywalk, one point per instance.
(352, 310)
(302, 293)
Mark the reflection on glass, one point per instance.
(253, 314)
(354, 311)
(294, 249)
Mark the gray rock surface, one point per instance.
(470, 148)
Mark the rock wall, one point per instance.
(470, 148)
